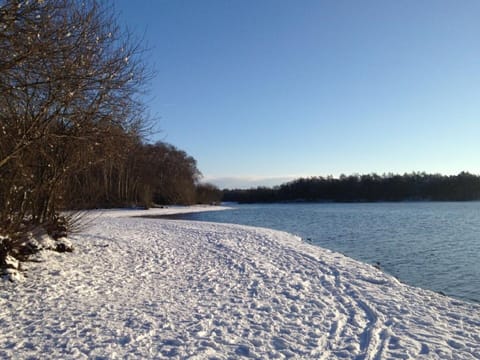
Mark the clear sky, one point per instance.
(259, 91)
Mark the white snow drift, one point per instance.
(150, 288)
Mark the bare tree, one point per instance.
(70, 81)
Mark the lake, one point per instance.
(433, 245)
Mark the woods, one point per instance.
(368, 188)
(72, 122)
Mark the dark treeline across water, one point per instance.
(365, 188)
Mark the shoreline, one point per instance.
(182, 289)
(180, 216)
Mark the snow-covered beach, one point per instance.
(155, 288)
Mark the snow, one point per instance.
(156, 288)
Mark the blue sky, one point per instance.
(260, 91)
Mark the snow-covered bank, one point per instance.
(150, 288)
(159, 211)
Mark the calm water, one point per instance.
(431, 245)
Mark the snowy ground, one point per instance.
(149, 288)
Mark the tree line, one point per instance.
(72, 123)
(139, 174)
(365, 188)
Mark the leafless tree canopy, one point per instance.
(71, 118)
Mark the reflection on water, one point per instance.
(434, 245)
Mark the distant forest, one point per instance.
(365, 188)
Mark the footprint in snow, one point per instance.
(242, 350)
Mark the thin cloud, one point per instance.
(245, 182)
